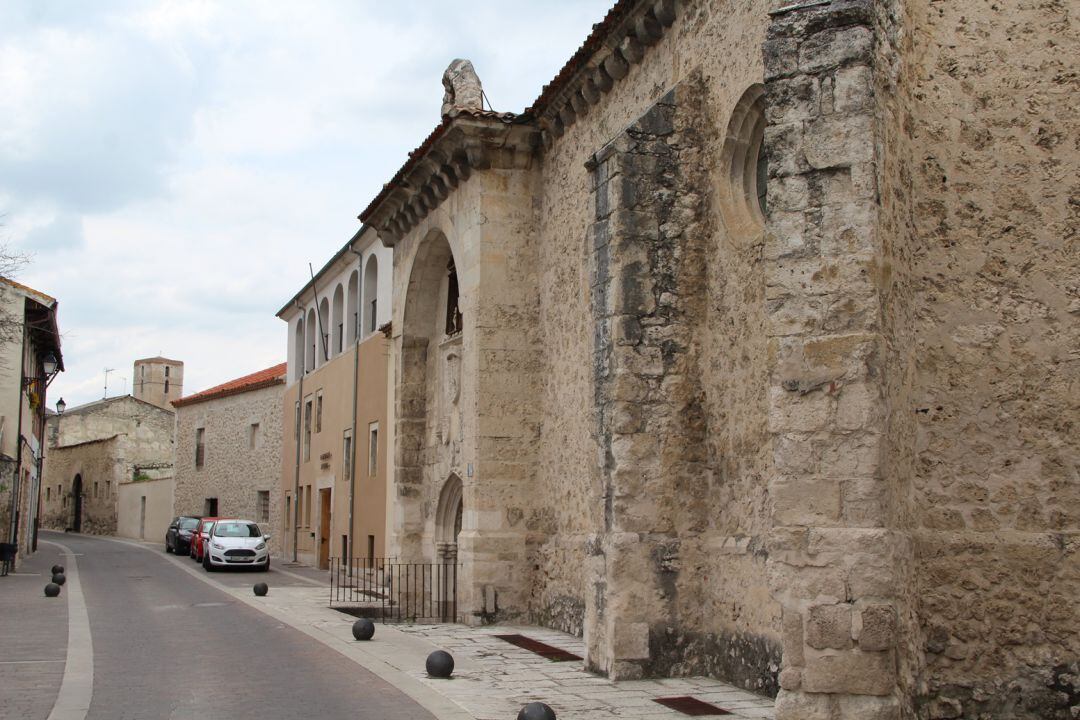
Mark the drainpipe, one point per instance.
(355, 380)
(298, 419)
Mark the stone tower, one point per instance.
(158, 380)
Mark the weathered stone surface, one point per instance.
(829, 626)
(851, 672)
(463, 89)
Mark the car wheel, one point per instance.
(206, 564)
(265, 567)
(167, 548)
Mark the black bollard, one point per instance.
(440, 664)
(52, 590)
(57, 569)
(59, 578)
(363, 629)
(261, 589)
(536, 711)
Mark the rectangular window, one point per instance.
(108, 488)
(253, 436)
(346, 456)
(370, 546)
(210, 507)
(262, 502)
(95, 489)
(374, 311)
(288, 511)
(166, 386)
(344, 546)
(318, 412)
(307, 506)
(48, 492)
(166, 371)
(307, 431)
(373, 448)
(200, 447)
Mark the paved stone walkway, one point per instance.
(495, 678)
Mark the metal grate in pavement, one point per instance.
(691, 706)
(542, 649)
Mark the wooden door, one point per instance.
(324, 529)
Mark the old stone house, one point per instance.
(108, 468)
(228, 451)
(30, 357)
(749, 349)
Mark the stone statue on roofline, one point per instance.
(463, 89)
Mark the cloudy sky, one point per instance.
(173, 166)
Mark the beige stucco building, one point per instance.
(158, 381)
(30, 358)
(98, 455)
(335, 459)
(749, 349)
(228, 451)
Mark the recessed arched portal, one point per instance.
(428, 428)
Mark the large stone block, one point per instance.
(878, 628)
(852, 672)
(802, 500)
(835, 47)
(835, 141)
(795, 705)
(829, 626)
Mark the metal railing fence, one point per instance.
(391, 591)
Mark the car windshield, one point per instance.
(207, 528)
(237, 529)
(188, 523)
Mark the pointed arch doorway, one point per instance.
(448, 516)
(77, 498)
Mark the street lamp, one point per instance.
(61, 406)
(49, 364)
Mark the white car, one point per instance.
(235, 543)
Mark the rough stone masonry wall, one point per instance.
(233, 472)
(981, 199)
(838, 561)
(98, 461)
(719, 41)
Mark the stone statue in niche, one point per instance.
(451, 415)
(463, 89)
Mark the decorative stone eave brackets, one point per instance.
(468, 144)
(624, 46)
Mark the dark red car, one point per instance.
(199, 537)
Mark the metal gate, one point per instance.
(391, 591)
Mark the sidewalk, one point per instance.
(33, 634)
(492, 678)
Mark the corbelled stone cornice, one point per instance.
(465, 144)
(601, 63)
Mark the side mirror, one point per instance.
(266, 536)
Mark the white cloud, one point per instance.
(175, 165)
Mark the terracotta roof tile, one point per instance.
(255, 381)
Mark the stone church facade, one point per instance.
(750, 350)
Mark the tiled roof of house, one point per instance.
(579, 59)
(421, 150)
(40, 296)
(255, 381)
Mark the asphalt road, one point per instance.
(169, 646)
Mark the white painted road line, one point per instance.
(77, 687)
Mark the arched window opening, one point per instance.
(351, 307)
(311, 339)
(324, 331)
(448, 517)
(454, 320)
(298, 349)
(744, 190)
(337, 323)
(371, 295)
